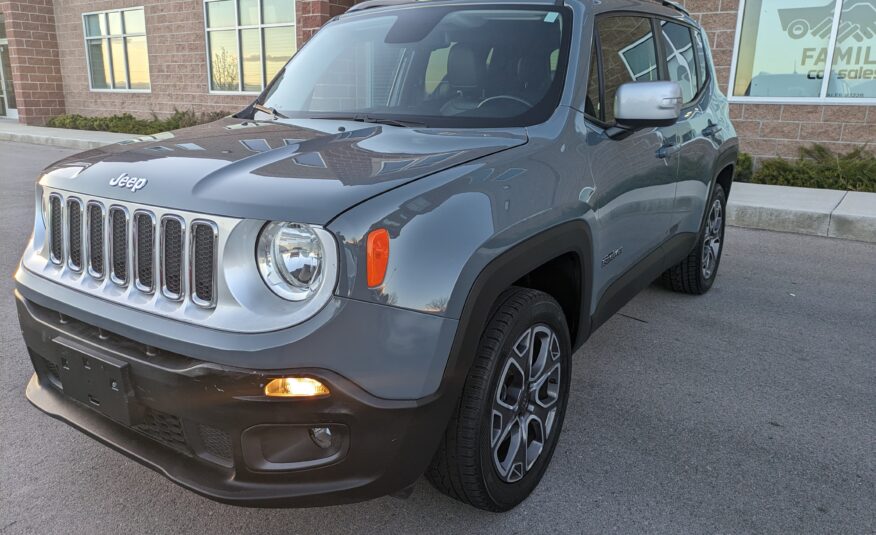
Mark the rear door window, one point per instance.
(680, 58)
(702, 66)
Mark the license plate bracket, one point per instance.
(100, 381)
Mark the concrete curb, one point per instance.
(830, 213)
(58, 137)
(52, 141)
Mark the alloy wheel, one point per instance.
(525, 405)
(712, 239)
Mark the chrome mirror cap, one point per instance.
(642, 104)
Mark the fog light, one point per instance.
(321, 436)
(295, 387)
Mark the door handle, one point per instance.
(711, 130)
(668, 150)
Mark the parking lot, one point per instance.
(750, 409)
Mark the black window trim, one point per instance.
(597, 46)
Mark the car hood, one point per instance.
(307, 170)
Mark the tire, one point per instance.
(696, 273)
(474, 462)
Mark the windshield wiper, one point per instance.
(404, 123)
(270, 111)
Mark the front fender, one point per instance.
(445, 251)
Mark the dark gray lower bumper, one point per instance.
(206, 426)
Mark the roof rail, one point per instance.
(368, 4)
(674, 5)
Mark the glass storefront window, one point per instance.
(115, 42)
(252, 59)
(7, 92)
(224, 68)
(248, 42)
(854, 58)
(792, 50)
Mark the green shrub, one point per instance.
(744, 167)
(128, 124)
(818, 167)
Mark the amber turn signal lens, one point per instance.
(378, 256)
(295, 387)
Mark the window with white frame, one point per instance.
(820, 51)
(248, 41)
(115, 45)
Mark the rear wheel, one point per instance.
(696, 273)
(503, 433)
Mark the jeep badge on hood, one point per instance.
(124, 180)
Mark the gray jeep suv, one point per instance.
(382, 267)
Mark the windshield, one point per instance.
(444, 66)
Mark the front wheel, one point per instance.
(503, 433)
(696, 273)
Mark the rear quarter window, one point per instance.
(702, 61)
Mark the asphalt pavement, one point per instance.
(751, 409)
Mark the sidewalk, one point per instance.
(12, 130)
(820, 212)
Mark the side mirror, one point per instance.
(642, 104)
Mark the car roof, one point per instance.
(665, 8)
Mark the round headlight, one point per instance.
(290, 258)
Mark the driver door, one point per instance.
(635, 175)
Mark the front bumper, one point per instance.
(207, 427)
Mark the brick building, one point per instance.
(98, 57)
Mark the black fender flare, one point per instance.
(726, 158)
(500, 274)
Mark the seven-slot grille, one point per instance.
(134, 247)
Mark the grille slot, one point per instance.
(203, 261)
(95, 240)
(56, 229)
(144, 251)
(74, 234)
(173, 233)
(118, 220)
